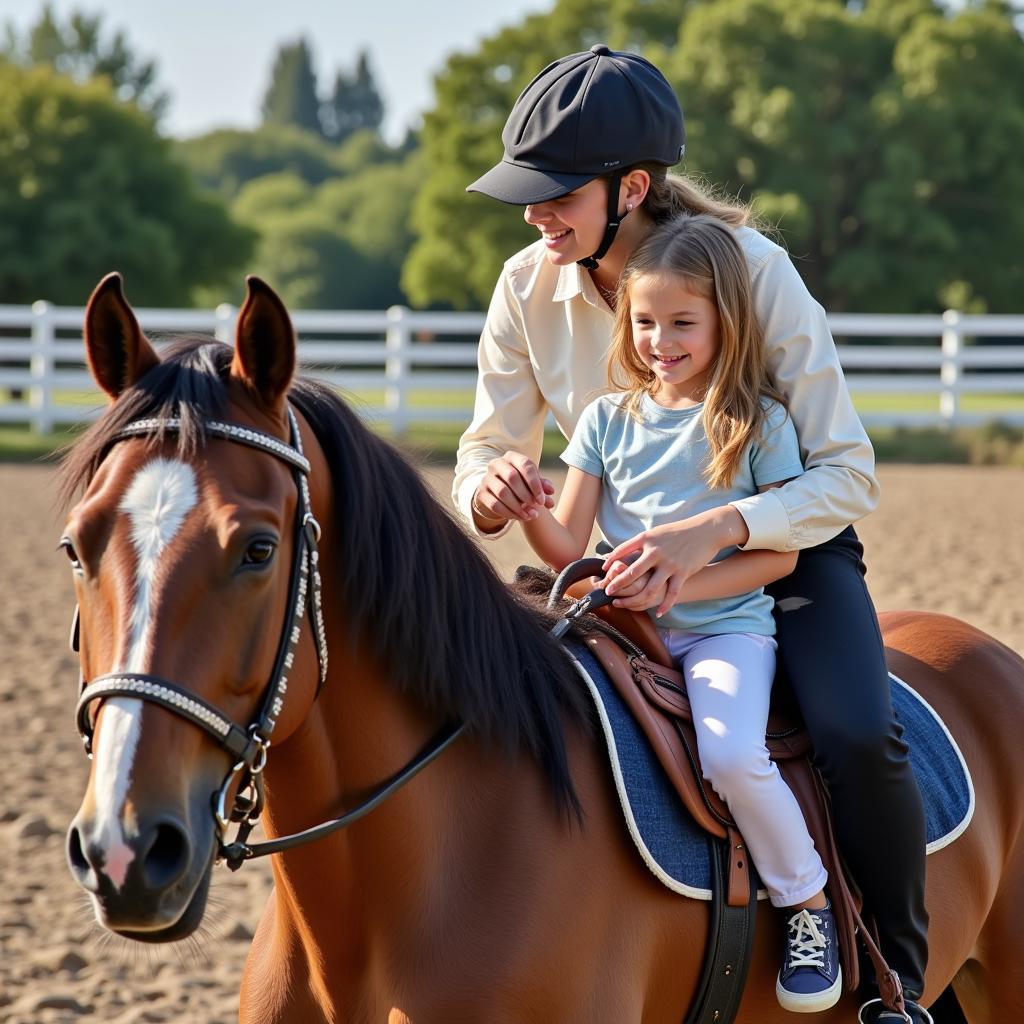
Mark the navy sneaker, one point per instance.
(876, 1012)
(811, 978)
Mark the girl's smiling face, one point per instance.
(675, 334)
(572, 226)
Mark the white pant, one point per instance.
(729, 680)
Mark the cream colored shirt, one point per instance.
(545, 347)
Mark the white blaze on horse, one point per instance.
(498, 884)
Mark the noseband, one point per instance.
(248, 746)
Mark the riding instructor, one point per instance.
(587, 149)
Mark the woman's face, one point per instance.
(572, 226)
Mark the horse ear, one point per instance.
(116, 350)
(264, 344)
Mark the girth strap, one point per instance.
(727, 957)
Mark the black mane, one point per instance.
(415, 588)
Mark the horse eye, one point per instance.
(69, 550)
(259, 552)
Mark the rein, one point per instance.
(249, 745)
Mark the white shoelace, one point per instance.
(806, 942)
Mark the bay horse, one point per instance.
(499, 884)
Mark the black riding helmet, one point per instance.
(580, 118)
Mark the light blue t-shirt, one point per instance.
(652, 472)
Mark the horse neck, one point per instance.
(384, 884)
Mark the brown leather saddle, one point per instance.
(635, 658)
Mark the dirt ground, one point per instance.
(949, 539)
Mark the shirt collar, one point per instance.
(573, 281)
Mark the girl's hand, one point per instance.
(625, 589)
(668, 555)
(512, 488)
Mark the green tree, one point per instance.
(78, 48)
(224, 160)
(355, 103)
(291, 97)
(956, 153)
(309, 263)
(338, 246)
(879, 135)
(87, 186)
(270, 196)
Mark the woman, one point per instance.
(587, 147)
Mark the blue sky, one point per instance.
(214, 56)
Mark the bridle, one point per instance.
(249, 746)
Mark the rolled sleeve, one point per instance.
(839, 485)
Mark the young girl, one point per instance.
(699, 424)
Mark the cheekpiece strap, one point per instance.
(311, 529)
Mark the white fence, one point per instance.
(411, 367)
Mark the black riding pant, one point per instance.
(830, 648)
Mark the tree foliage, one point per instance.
(226, 159)
(338, 245)
(884, 138)
(354, 105)
(291, 97)
(78, 48)
(88, 186)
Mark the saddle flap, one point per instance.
(675, 757)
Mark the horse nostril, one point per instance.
(76, 855)
(167, 857)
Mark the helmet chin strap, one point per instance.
(614, 220)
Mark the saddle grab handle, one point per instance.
(581, 569)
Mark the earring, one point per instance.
(629, 207)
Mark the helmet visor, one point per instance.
(523, 186)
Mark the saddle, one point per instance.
(635, 658)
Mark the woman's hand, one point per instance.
(512, 488)
(669, 555)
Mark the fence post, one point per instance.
(949, 373)
(40, 398)
(396, 368)
(224, 322)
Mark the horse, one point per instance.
(496, 884)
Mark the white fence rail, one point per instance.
(412, 367)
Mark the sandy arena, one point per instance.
(947, 539)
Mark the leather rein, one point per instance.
(249, 745)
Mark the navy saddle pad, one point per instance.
(677, 850)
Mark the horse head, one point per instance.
(183, 557)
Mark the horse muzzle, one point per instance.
(151, 885)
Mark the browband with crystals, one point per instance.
(231, 432)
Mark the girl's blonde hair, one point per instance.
(702, 252)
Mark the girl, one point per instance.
(587, 150)
(698, 424)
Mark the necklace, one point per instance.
(608, 294)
